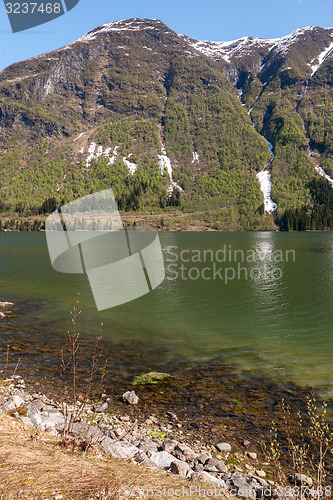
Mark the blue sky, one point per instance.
(210, 19)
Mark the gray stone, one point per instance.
(169, 445)
(262, 482)
(161, 459)
(226, 447)
(203, 457)
(148, 446)
(180, 469)
(186, 451)
(12, 403)
(34, 415)
(246, 443)
(108, 431)
(217, 464)
(208, 478)
(244, 487)
(120, 449)
(39, 404)
(302, 479)
(260, 473)
(198, 467)
(210, 468)
(178, 454)
(252, 455)
(100, 408)
(85, 431)
(130, 397)
(124, 418)
(140, 457)
(51, 420)
(25, 421)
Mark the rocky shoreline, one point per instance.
(155, 442)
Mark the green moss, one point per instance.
(150, 378)
(158, 435)
(232, 461)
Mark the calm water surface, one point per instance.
(279, 327)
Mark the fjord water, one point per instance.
(278, 326)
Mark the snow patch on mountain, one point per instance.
(132, 167)
(195, 157)
(264, 178)
(95, 151)
(321, 58)
(321, 172)
(165, 164)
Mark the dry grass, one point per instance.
(33, 466)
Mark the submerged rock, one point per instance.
(131, 398)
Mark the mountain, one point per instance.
(218, 131)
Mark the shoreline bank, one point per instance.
(213, 403)
(158, 441)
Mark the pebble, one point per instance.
(252, 455)
(260, 473)
(100, 408)
(125, 418)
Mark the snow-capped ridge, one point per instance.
(135, 24)
(245, 45)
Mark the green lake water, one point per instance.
(279, 326)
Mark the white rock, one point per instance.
(130, 397)
(226, 447)
(121, 449)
